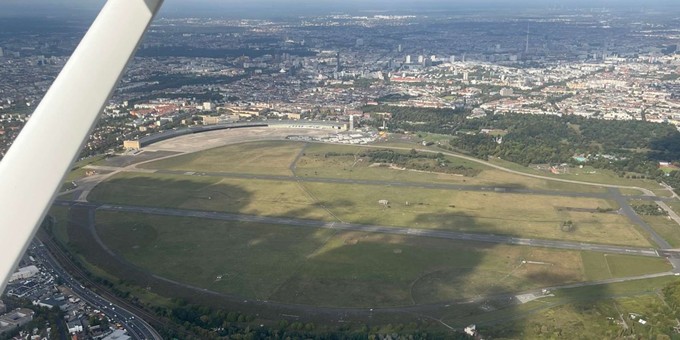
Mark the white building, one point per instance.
(118, 334)
(506, 92)
(74, 326)
(208, 106)
(24, 273)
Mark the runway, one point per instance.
(433, 233)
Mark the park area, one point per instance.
(280, 261)
(346, 269)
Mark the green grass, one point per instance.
(60, 228)
(668, 229)
(312, 266)
(257, 197)
(662, 193)
(151, 190)
(315, 163)
(535, 217)
(625, 265)
(352, 269)
(595, 266)
(319, 267)
(675, 205)
(631, 192)
(575, 313)
(273, 157)
(252, 259)
(586, 174)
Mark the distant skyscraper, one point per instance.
(465, 76)
(399, 48)
(2, 54)
(351, 122)
(421, 59)
(408, 59)
(433, 57)
(452, 59)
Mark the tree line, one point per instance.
(629, 148)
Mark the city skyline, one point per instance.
(270, 8)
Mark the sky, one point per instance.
(266, 8)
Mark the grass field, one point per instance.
(258, 197)
(586, 174)
(60, 230)
(273, 157)
(536, 217)
(599, 266)
(319, 267)
(315, 163)
(594, 312)
(666, 228)
(675, 205)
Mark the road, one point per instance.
(136, 327)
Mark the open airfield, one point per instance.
(281, 241)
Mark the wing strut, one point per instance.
(33, 170)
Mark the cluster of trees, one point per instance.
(44, 318)
(649, 210)
(530, 139)
(209, 323)
(412, 160)
(420, 119)
(671, 293)
(630, 148)
(394, 97)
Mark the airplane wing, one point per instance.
(34, 168)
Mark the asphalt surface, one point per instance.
(442, 234)
(136, 327)
(628, 211)
(612, 193)
(673, 255)
(423, 185)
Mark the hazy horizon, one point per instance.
(272, 8)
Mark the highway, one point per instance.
(442, 234)
(136, 327)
